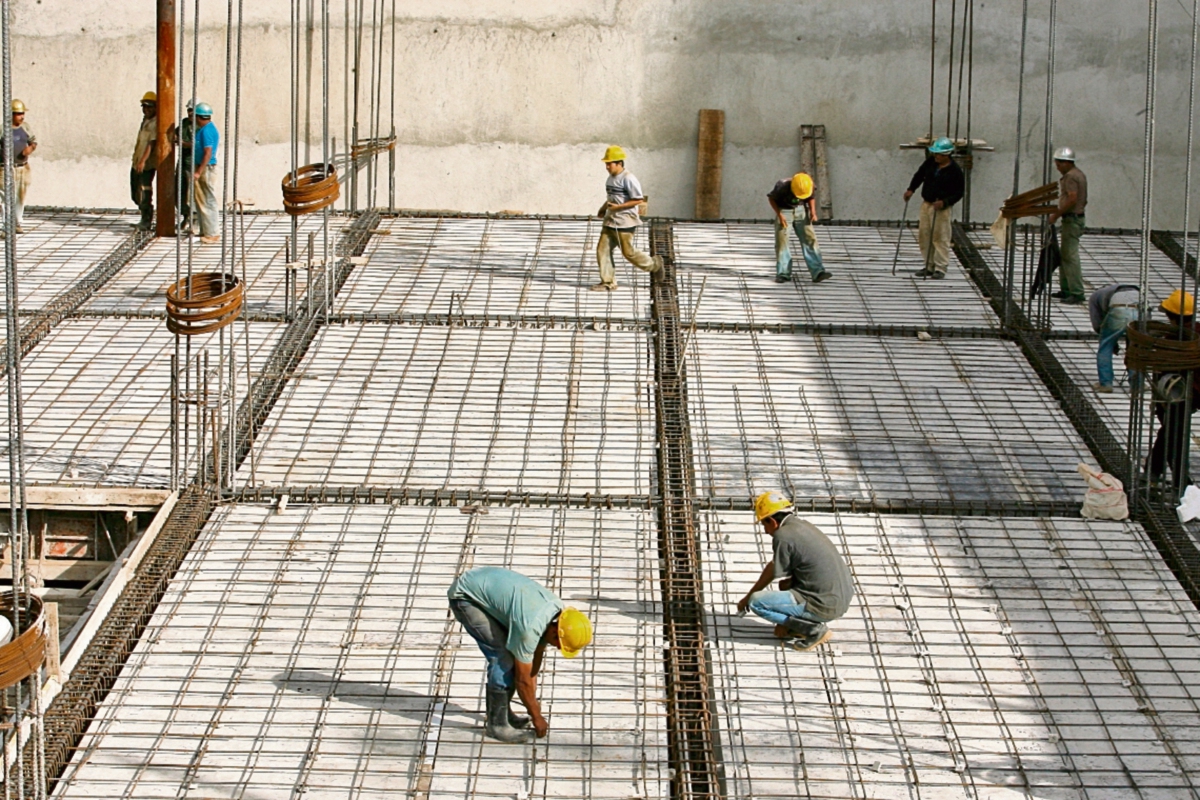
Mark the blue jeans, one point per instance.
(782, 608)
(808, 245)
(491, 637)
(1112, 330)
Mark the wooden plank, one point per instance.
(57, 569)
(74, 497)
(821, 177)
(808, 150)
(709, 152)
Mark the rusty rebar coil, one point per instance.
(203, 303)
(21, 657)
(310, 189)
(1159, 348)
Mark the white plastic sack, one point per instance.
(1105, 498)
(1189, 509)
(999, 231)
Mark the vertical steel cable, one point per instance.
(932, 63)
(326, 155)
(1049, 133)
(1136, 406)
(232, 153)
(950, 65)
(392, 87)
(1009, 255)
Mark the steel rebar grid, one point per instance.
(699, 772)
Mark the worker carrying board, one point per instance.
(512, 618)
(815, 584)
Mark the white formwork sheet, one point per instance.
(59, 247)
(735, 263)
(256, 253)
(995, 658)
(526, 267)
(866, 417)
(1105, 259)
(312, 654)
(497, 408)
(97, 396)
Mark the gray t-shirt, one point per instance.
(819, 575)
(1075, 181)
(622, 188)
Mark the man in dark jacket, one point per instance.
(943, 185)
(815, 584)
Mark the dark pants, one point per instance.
(1176, 419)
(184, 177)
(141, 189)
(491, 636)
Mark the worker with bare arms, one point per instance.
(1072, 202)
(621, 220)
(512, 618)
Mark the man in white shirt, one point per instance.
(621, 219)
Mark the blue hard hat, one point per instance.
(942, 146)
(205, 110)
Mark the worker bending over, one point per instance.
(795, 194)
(942, 185)
(1072, 202)
(621, 220)
(815, 583)
(512, 618)
(1111, 309)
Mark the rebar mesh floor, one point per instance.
(141, 286)
(1047, 658)
(735, 264)
(312, 654)
(431, 407)
(866, 417)
(97, 400)
(528, 267)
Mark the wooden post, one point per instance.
(708, 163)
(821, 178)
(165, 177)
(53, 662)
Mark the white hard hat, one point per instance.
(1064, 154)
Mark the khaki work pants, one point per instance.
(22, 179)
(206, 203)
(610, 238)
(933, 236)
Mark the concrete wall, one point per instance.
(503, 104)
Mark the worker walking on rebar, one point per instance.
(145, 162)
(1111, 309)
(207, 140)
(942, 185)
(24, 143)
(512, 618)
(1072, 202)
(815, 583)
(621, 220)
(795, 194)
(1170, 402)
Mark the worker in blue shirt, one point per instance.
(204, 154)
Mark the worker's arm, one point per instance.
(778, 212)
(527, 691)
(1066, 202)
(812, 209)
(29, 148)
(764, 580)
(619, 206)
(917, 179)
(208, 151)
(537, 658)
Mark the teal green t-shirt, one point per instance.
(521, 604)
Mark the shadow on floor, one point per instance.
(401, 702)
(722, 626)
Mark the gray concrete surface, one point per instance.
(508, 105)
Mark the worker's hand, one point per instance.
(540, 726)
(1053, 218)
(743, 604)
(907, 195)
(938, 204)
(198, 173)
(782, 221)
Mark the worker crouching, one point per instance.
(815, 584)
(512, 618)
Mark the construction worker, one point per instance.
(1171, 407)
(942, 185)
(145, 161)
(1072, 202)
(512, 618)
(815, 586)
(621, 220)
(24, 143)
(1111, 309)
(183, 135)
(796, 194)
(207, 139)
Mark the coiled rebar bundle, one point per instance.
(1159, 348)
(310, 189)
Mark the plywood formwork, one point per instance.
(312, 653)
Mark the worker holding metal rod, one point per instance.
(512, 618)
(942, 185)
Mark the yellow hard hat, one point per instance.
(574, 632)
(614, 153)
(150, 97)
(1180, 303)
(18, 107)
(802, 185)
(769, 503)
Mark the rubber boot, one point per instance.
(515, 720)
(497, 720)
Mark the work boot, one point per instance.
(515, 720)
(498, 726)
(783, 279)
(1074, 300)
(820, 634)
(1059, 295)
(922, 273)
(602, 287)
(1103, 388)
(822, 276)
(938, 274)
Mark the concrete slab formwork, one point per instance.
(312, 653)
